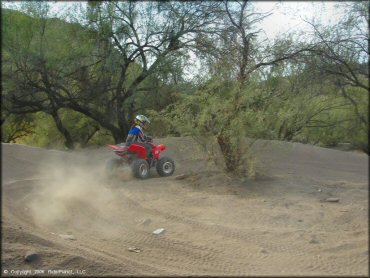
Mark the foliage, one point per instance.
(213, 117)
(45, 134)
(82, 82)
(341, 125)
(16, 127)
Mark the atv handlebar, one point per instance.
(148, 139)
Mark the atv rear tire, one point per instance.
(165, 166)
(111, 166)
(140, 168)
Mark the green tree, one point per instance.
(32, 59)
(101, 68)
(141, 35)
(344, 54)
(236, 59)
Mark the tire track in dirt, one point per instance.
(195, 256)
(296, 255)
(190, 258)
(343, 265)
(211, 228)
(193, 246)
(226, 233)
(42, 236)
(184, 257)
(39, 239)
(119, 259)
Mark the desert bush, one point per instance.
(45, 134)
(218, 120)
(16, 127)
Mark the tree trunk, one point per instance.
(58, 122)
(231, 156)
(119, 135)
(89, 136)
(123, 127)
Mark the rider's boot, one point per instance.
(150, 159)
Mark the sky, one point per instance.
(286, 17)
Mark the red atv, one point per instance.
(136, 157)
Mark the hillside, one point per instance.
(59, 205)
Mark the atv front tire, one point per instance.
(140, 168)
(165, 166)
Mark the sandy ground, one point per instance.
(61, 206)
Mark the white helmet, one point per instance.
(141, 120)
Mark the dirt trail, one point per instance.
(278, 224)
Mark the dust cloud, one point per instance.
(76, 195)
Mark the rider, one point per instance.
(136, 134)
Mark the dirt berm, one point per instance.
(306, 214)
